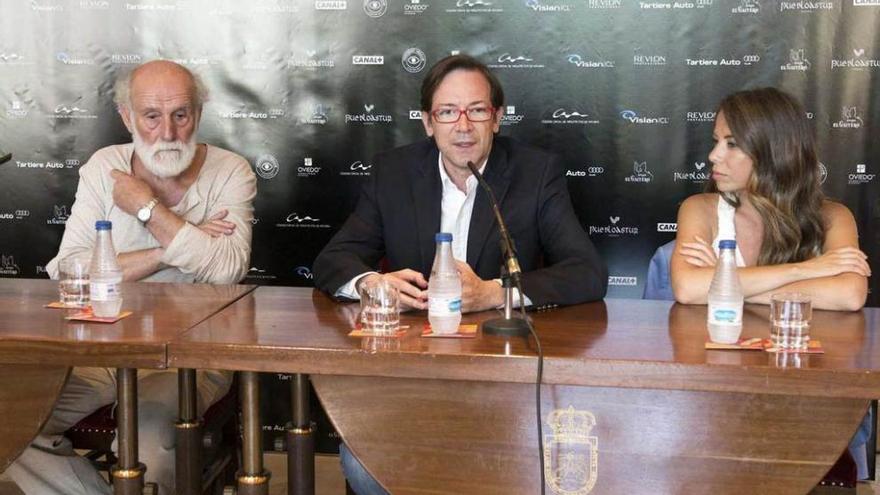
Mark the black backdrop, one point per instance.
(309, 90)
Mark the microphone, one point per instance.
(508, 325)
(5, 157)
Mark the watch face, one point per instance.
(143, 214)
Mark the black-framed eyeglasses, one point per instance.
(473, 114)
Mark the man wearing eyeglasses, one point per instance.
(418, 190)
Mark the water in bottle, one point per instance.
(444, 288)
(725, 297)
(105, 275)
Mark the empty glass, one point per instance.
(73, 282)
(380, 309)
(790, 315)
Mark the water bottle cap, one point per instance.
(443, 237)
(727, 244)
(103, 225)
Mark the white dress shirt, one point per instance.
(456, 208)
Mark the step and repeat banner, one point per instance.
(309, 90)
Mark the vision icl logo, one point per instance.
(304, 272)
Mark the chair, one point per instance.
(220, 438)
(658, 284)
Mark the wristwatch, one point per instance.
(146, 211)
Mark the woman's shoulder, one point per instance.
(834, 212)
(702, 203)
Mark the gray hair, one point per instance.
(122, 88)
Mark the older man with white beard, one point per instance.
(181, 212)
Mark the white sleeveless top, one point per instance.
(727, 229)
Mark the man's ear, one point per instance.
(426, 122)
(125, 113)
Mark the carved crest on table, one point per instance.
(571, 454)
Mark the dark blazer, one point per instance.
(399, 212)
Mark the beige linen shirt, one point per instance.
(225, 181)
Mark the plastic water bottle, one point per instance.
(725, 297)
(444, 288)
(105, 275)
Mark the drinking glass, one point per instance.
(73, 281)
(380, 308)
(790, 315)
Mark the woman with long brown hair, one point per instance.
(765, 193)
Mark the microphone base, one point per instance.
(513, 327)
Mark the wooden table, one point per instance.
(38, 347)
(632, 402)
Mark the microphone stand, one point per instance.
(508, 325)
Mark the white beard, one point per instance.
(164, 159)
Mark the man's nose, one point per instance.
(464, 124)
(169, 130)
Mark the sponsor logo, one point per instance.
(747, 7)
(588, 171)
(375, 8)
(640, 173)
(301, 221)
(311, 61)
(796, 61)
(94, 4)
(268, 7)
(125, 59)
(11, 58)
(71, 163)
(698, 175)
(51, 164)
(72, 111)
(59, 215)
(413, 60)
(257, 273)
(745, 61)
(866, 3)
(850, 119)
(474, 6)
(570, 117)
(266, 166)
(317, 116)
(415, 7)
(308, 168)
(857, 61)
(633, 117)
(16, 110)
(44, 6)
(625, 281)
(304, 272)
(368, 60)
(510, 116)
(861, 176)
(698, 4)
(192, 61)
(537, 6)
(40, 269)
(415, 115)
(645, 60)
(368, 117)
(272, 113)
(823, 173)
(805, 6)
(331, 5)
(16, 215)
(8, 266)
(613, 229)
(357, 168)
(73, 59)
(667, 227)
(700, 116)
(604, 4)
(518, 61)
(579, 61)
(152, 6)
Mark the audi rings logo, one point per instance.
(414, 60)
(375, 8)
(266, 166)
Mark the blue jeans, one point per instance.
(356, 475)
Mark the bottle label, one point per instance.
(725, 314)
(104, 291)
(439, 306)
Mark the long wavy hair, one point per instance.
(771, 127)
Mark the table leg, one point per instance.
(188, 430)
(252, 479)
(300, 440)
(128, 474)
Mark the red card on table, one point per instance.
(61, 305)
(360, 332)
(464, 332)
(87, 315)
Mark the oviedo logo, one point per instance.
(510, 116)
(59, 215)
(17, 110)
(624, 281)
(850, 119)
(640, 173)
(415, 7)
(700, 173)
(614, 228)
(308, 168)
(861, 176)
(8, 266)
(571, 453)
(375, 8)
(413, 60)
(266, 166)
(357, 168)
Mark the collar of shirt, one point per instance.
(456, 209)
